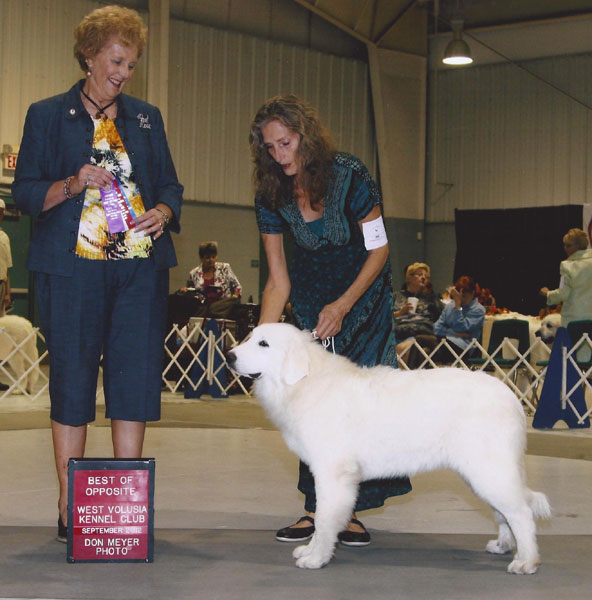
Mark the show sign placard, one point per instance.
(111, 510)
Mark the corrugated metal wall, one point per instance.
(36, 41)
(500, 138)
(217, 81)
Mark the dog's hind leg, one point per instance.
(505, 540)
(521, 520)
(336, 490)
(507, 496)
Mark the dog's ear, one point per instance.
(296, 364)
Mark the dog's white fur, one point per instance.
(549, 326)
(19, 329)
(350, 424)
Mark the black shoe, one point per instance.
(3, 387)
(296, 534)
(354, 538)
(62, 532)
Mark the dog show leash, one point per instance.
(330, 341)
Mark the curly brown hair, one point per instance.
(95, 30)
(315, 153)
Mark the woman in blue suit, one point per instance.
(95, 174)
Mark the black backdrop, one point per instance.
(514, 252)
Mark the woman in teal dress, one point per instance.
(339, 282)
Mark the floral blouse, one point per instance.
(94, 240)
(224, 278)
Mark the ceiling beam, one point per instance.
(361, 13)
(324, 15)
(385, 31)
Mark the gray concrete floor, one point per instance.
(225, 482)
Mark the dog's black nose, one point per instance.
(230, 357)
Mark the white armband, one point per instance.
(374, 234)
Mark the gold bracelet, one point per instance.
(165, 217)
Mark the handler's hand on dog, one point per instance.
(330, 319)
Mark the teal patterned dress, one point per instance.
(328, 255)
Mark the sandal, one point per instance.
(62, 532)
(354, 538)
(296, 534)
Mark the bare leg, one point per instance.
(403, 349)
(68, 442)
(128, 438)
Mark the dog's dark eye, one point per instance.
(264, 344)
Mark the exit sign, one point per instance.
(10, 161)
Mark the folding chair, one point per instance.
(505, 328)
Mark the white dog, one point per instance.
(350, 424)
(18, 329)
(549, 326)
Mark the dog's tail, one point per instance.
(539, 505)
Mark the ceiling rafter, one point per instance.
(392, 23)
(331, 19)
(362, 11)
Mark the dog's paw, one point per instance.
(312, 561)
(301, 551)
(495, 547)
(523, 567)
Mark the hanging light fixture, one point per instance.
(457, 52)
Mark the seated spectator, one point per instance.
(213, 283)
(461, 321)
(415, 324)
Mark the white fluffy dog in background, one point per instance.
(549, 326)
(350, 424)
(19, 329)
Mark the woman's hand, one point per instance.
(544, 291)
(91, 176)
(152, 221)
(404, 310)
(330, 319)
(456, 296)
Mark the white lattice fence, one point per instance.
(582, 349)
(20, 363)
(195, 347)
(523, 376)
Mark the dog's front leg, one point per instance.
(336, 491)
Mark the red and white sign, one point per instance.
(110, 515)
(10, 161)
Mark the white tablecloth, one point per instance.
(534, 323)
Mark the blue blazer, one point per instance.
(57, 141)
